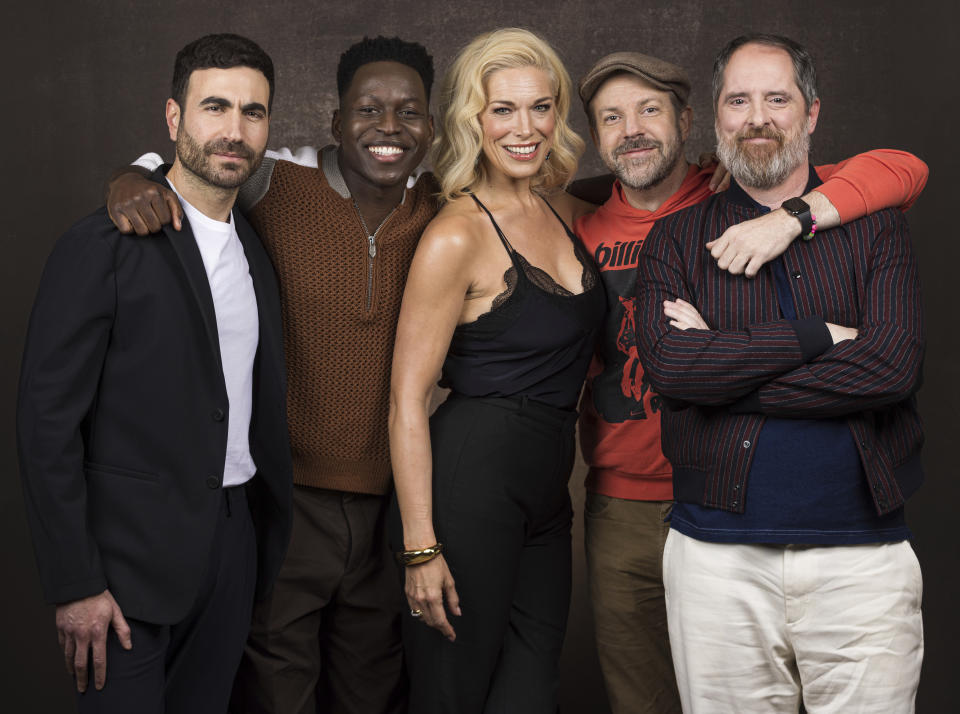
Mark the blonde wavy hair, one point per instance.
(457, 149)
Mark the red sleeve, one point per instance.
(866, 183)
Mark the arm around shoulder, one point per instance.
(868, 182)
(138, 205)
(863, 184)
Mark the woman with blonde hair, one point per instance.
(505, 300)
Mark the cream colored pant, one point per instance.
(754, 628)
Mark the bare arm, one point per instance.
(432, 302)
(853, 188)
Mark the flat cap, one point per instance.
(659, 73)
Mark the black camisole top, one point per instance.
(535, 342)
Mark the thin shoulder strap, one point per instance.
(570, 234)
(503, 238)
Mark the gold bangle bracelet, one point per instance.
(416, 557)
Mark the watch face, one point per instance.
(796, 205)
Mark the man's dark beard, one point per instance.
(196, 159)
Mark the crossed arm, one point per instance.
(784, 368)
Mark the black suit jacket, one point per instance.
(122, 419)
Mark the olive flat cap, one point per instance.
(659, 73)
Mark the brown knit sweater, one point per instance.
(340, 309)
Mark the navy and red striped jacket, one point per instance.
(722, 383)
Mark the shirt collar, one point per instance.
(735, 194)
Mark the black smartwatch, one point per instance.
(800, 209)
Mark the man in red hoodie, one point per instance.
(639, 122)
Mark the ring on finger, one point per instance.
(416, 613)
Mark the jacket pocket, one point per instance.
(94, 468)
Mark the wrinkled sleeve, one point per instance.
(708, 367)
(66, 344)
(869, 182)
(883, 364)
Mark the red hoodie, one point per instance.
(620, 415)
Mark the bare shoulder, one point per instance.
(454, 234)
(448, 260)
(569, 207)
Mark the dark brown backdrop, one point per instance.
(89, 81)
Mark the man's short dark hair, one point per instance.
(384, 49)
(804, 73)
(222, 51)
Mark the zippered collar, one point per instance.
(331, 171)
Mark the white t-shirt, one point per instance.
(238, 330)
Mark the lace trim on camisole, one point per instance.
(542, 279)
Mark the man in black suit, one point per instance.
(151, 415)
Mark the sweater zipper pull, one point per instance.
(372, 249)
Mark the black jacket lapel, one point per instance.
(265, 287)
(185, 245)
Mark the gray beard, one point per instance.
(763, 170)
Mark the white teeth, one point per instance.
(522, 149)
(385, 150)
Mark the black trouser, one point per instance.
(502, 510)
(188, 667)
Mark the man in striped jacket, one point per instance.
(792, 430)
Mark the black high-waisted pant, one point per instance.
(502, 510)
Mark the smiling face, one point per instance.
(383, 124)
(763, 125)
(637, 130)
(222, 128)
(518, 121)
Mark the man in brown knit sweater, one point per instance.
(341, 232)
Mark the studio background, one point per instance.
(89, 81)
